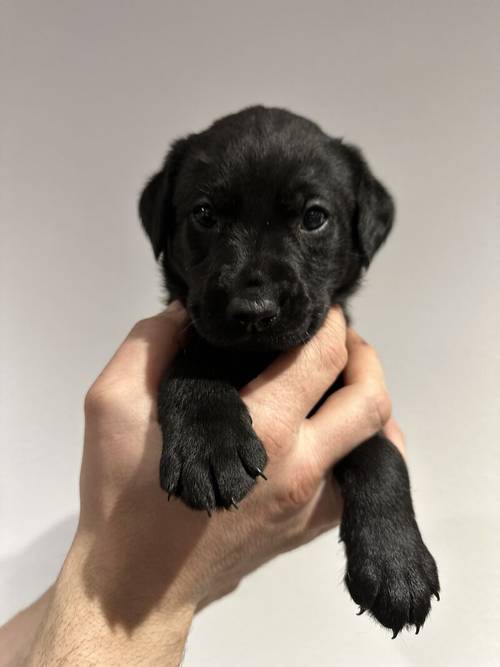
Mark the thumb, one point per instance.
(147, 351)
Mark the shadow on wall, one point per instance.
(30, 572)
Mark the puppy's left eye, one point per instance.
(204, 215)
(314, 218)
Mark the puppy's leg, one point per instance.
(211, 455)
(389, 571)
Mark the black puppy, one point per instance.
(262, 222)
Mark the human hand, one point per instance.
(146, 564)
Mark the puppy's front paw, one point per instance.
(390, 572)
(211, 457)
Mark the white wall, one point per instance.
(93, 93)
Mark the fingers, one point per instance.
(351, 415)
(292, 385)
(148, 349)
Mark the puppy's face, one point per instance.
(263, 221)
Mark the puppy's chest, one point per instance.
(241, 366)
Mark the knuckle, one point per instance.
(379, 406)
(297, 492)
(92, 401)
(141, 326)
(101, 399)
(384, 405)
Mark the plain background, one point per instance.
(93, 92)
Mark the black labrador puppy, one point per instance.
(262, 222)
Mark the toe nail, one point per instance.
(436, 595)
(234, 504)
(259, 472)
(395, 633)
(209, 513)
(361, 611)
(417, 630)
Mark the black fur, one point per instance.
(255, 281)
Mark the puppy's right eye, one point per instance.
(204, 215)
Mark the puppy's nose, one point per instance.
(252, 311)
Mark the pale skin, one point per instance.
(140, 566)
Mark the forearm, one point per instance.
(78, 628)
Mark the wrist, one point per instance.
(90, 619)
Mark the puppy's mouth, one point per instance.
(275, 337)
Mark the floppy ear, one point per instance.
(155, 203)
(375, 209)
(150, 212)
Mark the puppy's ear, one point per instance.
(375, 209)
(150, 212)
(156, 209)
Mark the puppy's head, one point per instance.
(262, 222)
